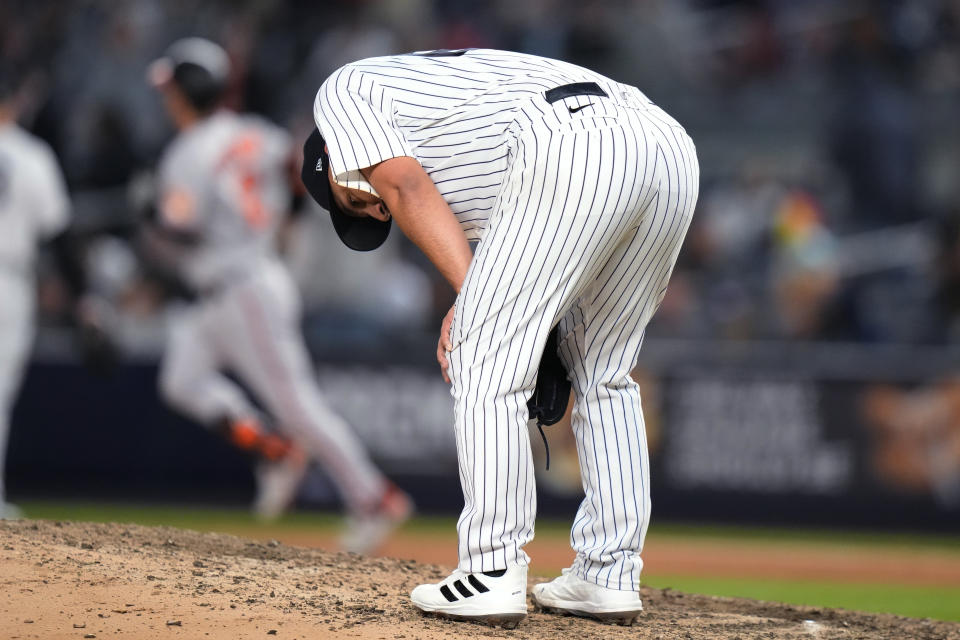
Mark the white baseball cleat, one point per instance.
(365, 532)
(277, 484)
(571, 594)
(497, 598)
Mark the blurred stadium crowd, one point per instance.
(827, 132)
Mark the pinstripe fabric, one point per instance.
(600, 343)
(452, 113)
(587, 229)
(581, 215)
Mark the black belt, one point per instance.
(574, 89)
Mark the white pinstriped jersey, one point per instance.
(581, 191)
(452, 112)
(33, 197)
(226, 180)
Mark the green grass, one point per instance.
(942, 603)
(916, 601)
(813, 537)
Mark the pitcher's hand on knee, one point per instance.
(444, 344)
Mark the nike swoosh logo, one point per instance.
(575, 109)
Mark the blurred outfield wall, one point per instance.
(744, 432)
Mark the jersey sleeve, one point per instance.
(50, 201)
(179, 193)
(352, 113)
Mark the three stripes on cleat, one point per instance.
(462, 589)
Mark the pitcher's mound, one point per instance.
(80, 580)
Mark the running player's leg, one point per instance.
(189, 378)
(568, 200)
(15, 333)
(191, 382)
(600, 342)
(10, 369)
(269, 354)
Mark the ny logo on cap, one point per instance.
(319, 167)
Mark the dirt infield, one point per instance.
(81, 580)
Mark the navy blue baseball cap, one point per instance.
(359, 233)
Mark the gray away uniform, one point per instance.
(225, 181)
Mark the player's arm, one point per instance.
(423, 215)
(350, 118)
(175, 216)
(176, 195)
(171, 226)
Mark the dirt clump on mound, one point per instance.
(81, 580)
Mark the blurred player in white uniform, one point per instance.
(224, 187)
(33, 207)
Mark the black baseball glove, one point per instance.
(548, 404)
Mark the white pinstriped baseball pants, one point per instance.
(586, 231)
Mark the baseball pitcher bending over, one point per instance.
(579, 191)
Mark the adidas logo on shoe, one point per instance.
(497, 598)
